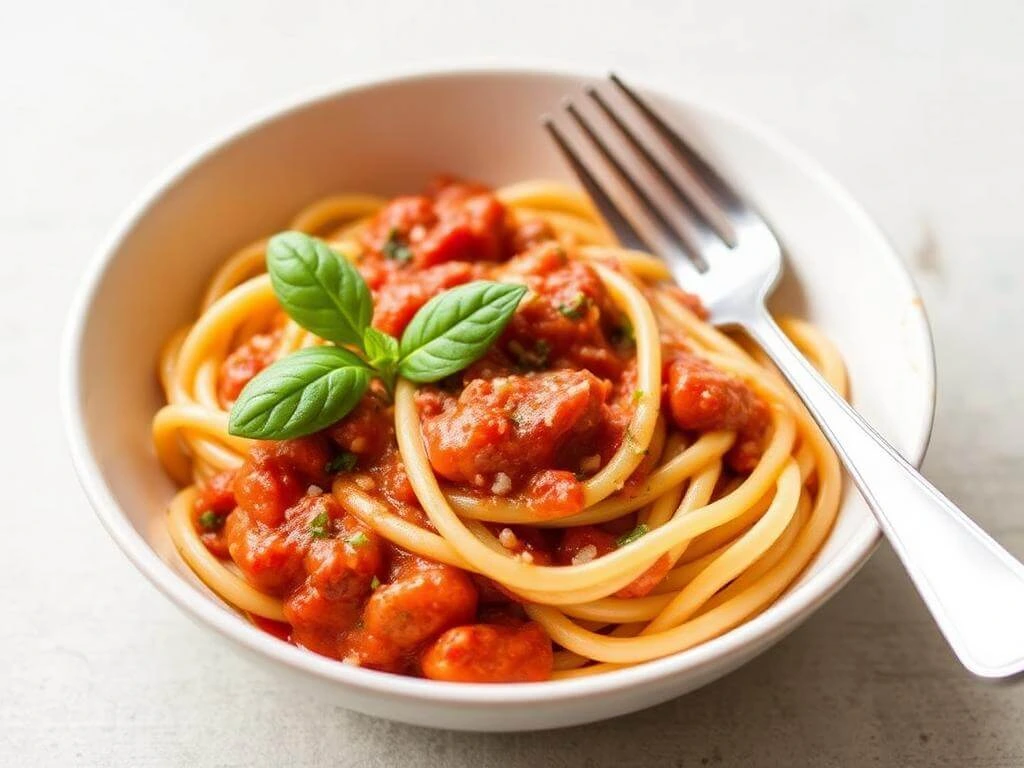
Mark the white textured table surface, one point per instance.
(916, 106)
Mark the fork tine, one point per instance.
(620, 225)
(716, 185)
(679, 239)
(705, 224)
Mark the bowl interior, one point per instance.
(391, 138)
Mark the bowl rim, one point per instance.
(757, 633)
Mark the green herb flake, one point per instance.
(638, 395)
(629, 538)
(343, 462)
(357, 540)
(395, 247)
(319, 526)
(374, 583)
(576, 308)
(210, 521)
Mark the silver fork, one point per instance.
(719, 247)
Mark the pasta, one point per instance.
(690, 491)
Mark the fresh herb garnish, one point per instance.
(629, 538)
(319, 289)
(211, 521)
(455, 329)
(638, 395)
(319, 526)
(395, 248)
(312, 388)
(577, 308)
(343, 462)
(535, 359)
(374, 583)
(382, 352)
(357, 540)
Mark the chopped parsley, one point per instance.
(357, 540)
(343, 462)
(319, 526)
(629, 538)
(211, 521)
(535, 359)
(395, 248)
(576, 308)
(375, 583)
(638, 395)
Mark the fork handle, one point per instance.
(973, 587)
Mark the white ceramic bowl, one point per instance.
(389, 137)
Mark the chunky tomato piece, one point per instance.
(557, 493)
(278, 473)
(218, 494)
(391, 479)
(490, 653)
(566, 319)
(270, 558)
(244, 362)
(398, 223)
(342, 559)
(213, 504)
(503, 430)
(422, 600)
(703, 398)
(458, 222)
(751, 439)
(367, 431)
(400, 298)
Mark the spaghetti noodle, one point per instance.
(648, 482)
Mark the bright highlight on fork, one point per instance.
(496, 445)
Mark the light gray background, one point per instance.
(916, 106)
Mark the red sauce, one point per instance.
(544, 409)
(702, 398)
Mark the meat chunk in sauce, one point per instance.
(490, 653)
(514, 426)
(566, 319)
(214, 502)
(459, 222)
(422, 600)
(244, 362)
(278, 473)
(703, 398)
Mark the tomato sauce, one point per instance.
(542, 411)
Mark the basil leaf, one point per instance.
(380, 347)
(302, 393)
(382, 352)
(456, 328)
(318, 288)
